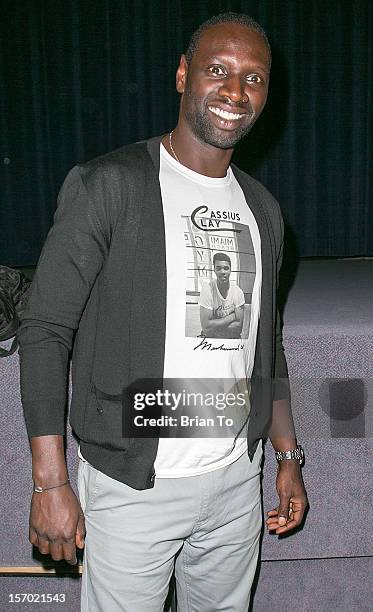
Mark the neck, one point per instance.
(196, 155)
(223, 286)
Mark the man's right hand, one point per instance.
(57, 523)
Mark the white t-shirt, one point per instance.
(204, 216)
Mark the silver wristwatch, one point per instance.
(296, 453)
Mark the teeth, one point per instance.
(224, 114)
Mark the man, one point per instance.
(98, 288)
(221, 302)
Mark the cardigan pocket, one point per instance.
(104, 420)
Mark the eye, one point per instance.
(216, 70)
(254, 78)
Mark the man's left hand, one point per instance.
(293, 498)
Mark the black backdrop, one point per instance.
(81, 77)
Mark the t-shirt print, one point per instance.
(221, 307)
(220, 273)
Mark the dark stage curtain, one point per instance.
(79, 78)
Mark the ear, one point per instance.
(181, 74)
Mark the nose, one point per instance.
(233, 89)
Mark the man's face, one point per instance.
(222, 271)
(225, 86)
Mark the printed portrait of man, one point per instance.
(221, 302)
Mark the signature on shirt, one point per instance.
(205, 344)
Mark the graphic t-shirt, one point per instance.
(213, 285)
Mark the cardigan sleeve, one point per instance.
(281, 377)
(70, 261)
(282, 424)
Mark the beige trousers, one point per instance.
(206, 528)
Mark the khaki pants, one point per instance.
(207, 527)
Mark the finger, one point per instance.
(272, 512)
(272, 526)
(283, 509)
(275, 511)
(274, 518)
(271, 521)
(294, 520)
(299, 501)
(299, 509)
(43, 545)
(79, 540)
(290, 525)
(69, 552)
(80, 532)
(281, 528)
(56, 551)
(33, 536)
(297, 516)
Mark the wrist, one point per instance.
(48, 460)
(283, 443)
(45, 474)
(289, 464)
(48, 478)
(41, 489)
(294, 454)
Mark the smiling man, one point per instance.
(224, 80)
(152, 504)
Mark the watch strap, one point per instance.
(295, 453)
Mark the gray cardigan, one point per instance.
(100, 291)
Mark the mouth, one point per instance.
(225, 115)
